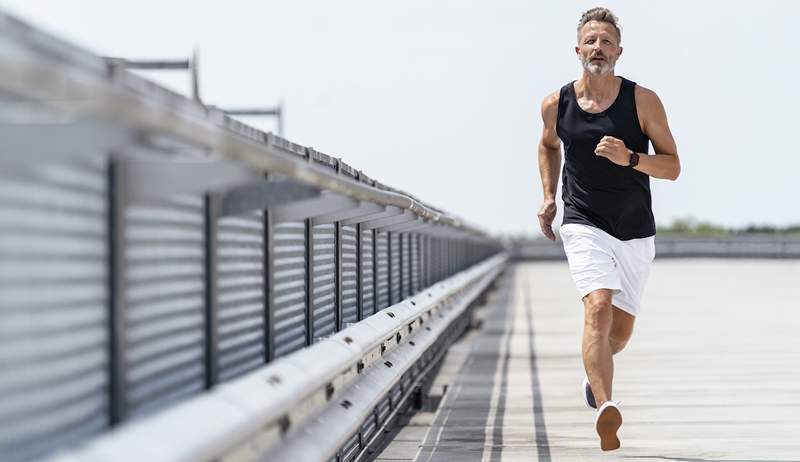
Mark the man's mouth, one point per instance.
(598, 58)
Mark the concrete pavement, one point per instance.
(711, 373)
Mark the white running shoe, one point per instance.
(608, 421)
(588, 396)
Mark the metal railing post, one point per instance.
(117, 300)
(276, 111)
(212, 208)
(117, 341)
(401, 266)
(421, 260)
(269, 287)
(359, 275)
(337, 286)
(191, 64)
(309, 236)
(337, 262)
(374, 271)
(426, 255)
(389, 267)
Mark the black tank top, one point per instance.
(596, 191)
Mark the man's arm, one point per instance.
(665, 163)
(549, 164)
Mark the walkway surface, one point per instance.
(711, 373)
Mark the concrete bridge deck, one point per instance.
(711, 373)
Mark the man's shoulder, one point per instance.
(649, 107)
(550, 103)
(645, 94)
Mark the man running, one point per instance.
(605, 122)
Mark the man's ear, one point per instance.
(577, 50)
(620, 52)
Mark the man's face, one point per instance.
(598, 47)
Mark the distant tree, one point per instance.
(760, 229)
(692, 226)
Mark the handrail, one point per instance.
(102, 90)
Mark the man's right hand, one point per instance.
(546, 216)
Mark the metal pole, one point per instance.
(194, 69)
(280, 118)
(337, 284)
(276, 111)
(191, 64)
(269, 284)
(155, 65)
(309, 233)
(116, 283)
(418, 279)
(374, 233)
(359, 275)
(402, 265)
(212, 207)
(389, 269)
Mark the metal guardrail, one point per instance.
(321, 403)
(151, 249)
(671, 246)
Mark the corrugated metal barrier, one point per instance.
(152, 248)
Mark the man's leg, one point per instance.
(621, 329)
(606, 331)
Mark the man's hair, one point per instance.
(599, 14)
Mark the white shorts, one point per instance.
(598, 260)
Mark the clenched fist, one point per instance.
(613, 149)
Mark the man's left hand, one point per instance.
(614, 150)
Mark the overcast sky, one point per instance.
(442, 98)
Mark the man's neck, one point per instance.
(598, 87)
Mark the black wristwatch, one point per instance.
(634, 159)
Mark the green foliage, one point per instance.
(703, 228)
(692, 226)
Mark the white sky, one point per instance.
(442, 98)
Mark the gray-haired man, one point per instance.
(606, 123)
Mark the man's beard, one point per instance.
(597, 68)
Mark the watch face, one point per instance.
(634, 161)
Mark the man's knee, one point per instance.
(598, 313)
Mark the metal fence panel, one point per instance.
(240, 294)
(435, 259)
(425, 263)
(382, 271)
(165, 302)
(440, 262)
(324, 264)
(368, 428)
(289, 287)
(405, 265)
(415, 263)
(114, 307)
(383, 409)
(349, 272)
(367, 273)
(350, 449)
(53, 311)
(394, 268)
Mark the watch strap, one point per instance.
(634, 159)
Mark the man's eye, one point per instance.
(607, 42)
